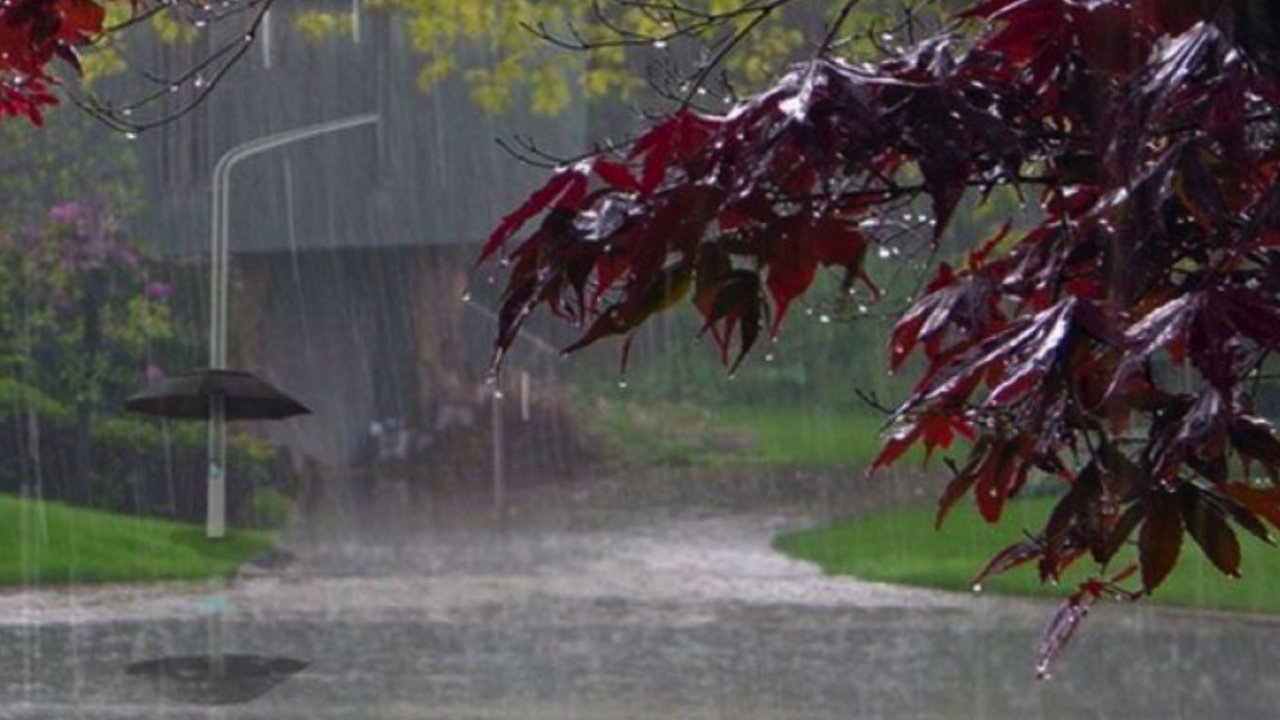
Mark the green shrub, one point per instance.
(268, 509)
(139, 465)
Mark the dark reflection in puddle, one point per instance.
(207, 680)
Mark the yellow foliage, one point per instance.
(173, 30)
(494, 45)
(101, 61)
(317, 25)
(549, 79)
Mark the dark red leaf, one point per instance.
(565, 183)
(1205, 524)
(616, 175)
(1015, 555)
(81, 20)
(963, 480)
(1160, 539)
(1062, 627)
(1162, 326)
(1242, 516)
(1119, 533)
(897, 444)
(1263, 502)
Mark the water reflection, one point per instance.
(574, 608)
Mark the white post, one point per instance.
(524, 395)
(218, 293)
(499, 459)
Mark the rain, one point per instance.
(256, 466)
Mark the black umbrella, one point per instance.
(188, 396)
(220, 680)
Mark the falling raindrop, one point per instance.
(769, 357)
(824, 319)
(622, 384)
(885, 252)
(659, 44)
(977, 588)
(131, 135)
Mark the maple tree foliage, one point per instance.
(42, 44)
(33, 35)
(1145, 130)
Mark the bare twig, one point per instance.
(833, 31)
(873, 402)
(203, 76)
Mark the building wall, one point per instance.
(429, 173)
(338, 297)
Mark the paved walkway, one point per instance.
(637, 599)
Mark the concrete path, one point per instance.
(635, 599)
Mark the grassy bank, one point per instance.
(902, 547)
(51, 543)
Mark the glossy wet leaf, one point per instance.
(1110, 339)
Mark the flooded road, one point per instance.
(611, 600)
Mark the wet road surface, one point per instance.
(611, 600)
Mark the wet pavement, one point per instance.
(644, 598)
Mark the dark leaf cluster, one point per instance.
(1116, 344)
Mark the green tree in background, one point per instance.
(78, 315)
(506, 51)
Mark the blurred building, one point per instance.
(350, 251)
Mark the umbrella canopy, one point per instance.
(187, 396)
(223, 680)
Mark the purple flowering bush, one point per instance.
(80, 317)
(80, 322)
(85, 321)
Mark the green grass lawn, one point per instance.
(902, 547)
(51, 543)
(726, 436)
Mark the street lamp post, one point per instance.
(218, 295)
